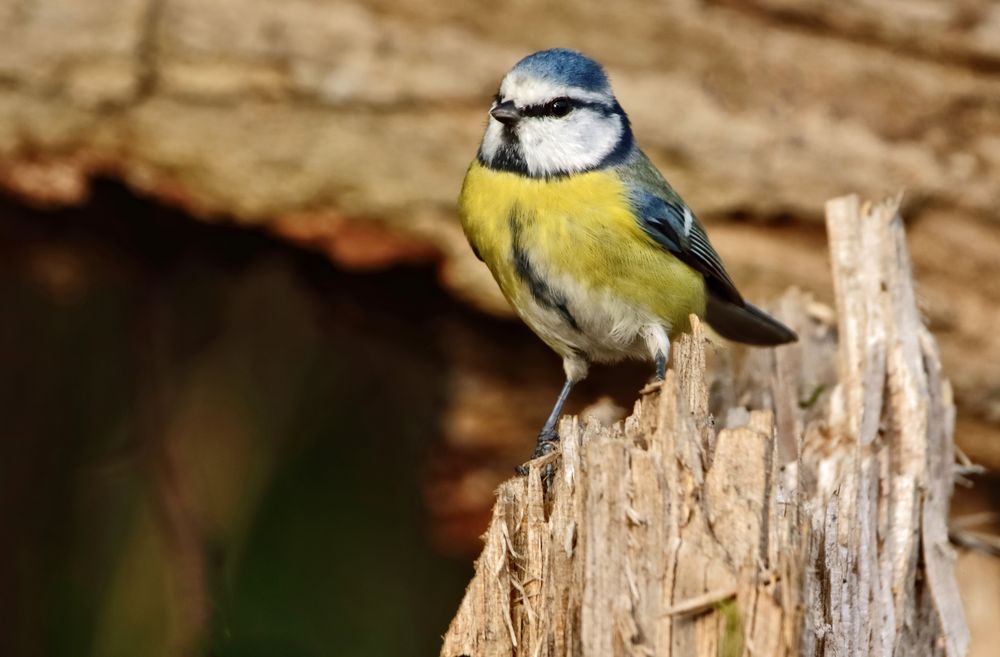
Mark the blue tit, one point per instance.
(586, 239)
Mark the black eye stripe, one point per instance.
(550, 108)
(547, 110)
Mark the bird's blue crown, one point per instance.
(564, 66)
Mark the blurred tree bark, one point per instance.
(347, 126)
(801, 529)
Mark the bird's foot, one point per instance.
(547, 442)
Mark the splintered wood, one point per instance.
(792, 507)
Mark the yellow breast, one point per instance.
(581, 227)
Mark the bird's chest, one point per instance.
(560, 251)
(580, 226)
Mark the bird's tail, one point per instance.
(746, 323)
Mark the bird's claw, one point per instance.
(546, 445)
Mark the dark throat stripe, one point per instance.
(541, 292)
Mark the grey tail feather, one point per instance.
(746, 323)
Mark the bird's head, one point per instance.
(555, 115)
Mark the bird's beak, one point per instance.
(506, 113)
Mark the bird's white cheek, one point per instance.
(574, 144)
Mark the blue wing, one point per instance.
(672, 225)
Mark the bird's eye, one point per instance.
(559, 107)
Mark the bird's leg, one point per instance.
(658, 342)
(548, 434)
(661, 365)
(575, 365)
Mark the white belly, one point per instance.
(607, 329)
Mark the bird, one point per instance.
(588, 242)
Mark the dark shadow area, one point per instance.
(212, 442)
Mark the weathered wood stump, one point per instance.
(813, 524)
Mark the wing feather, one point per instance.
(672, 225)
(665, 218)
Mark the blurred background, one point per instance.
(255, 390)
